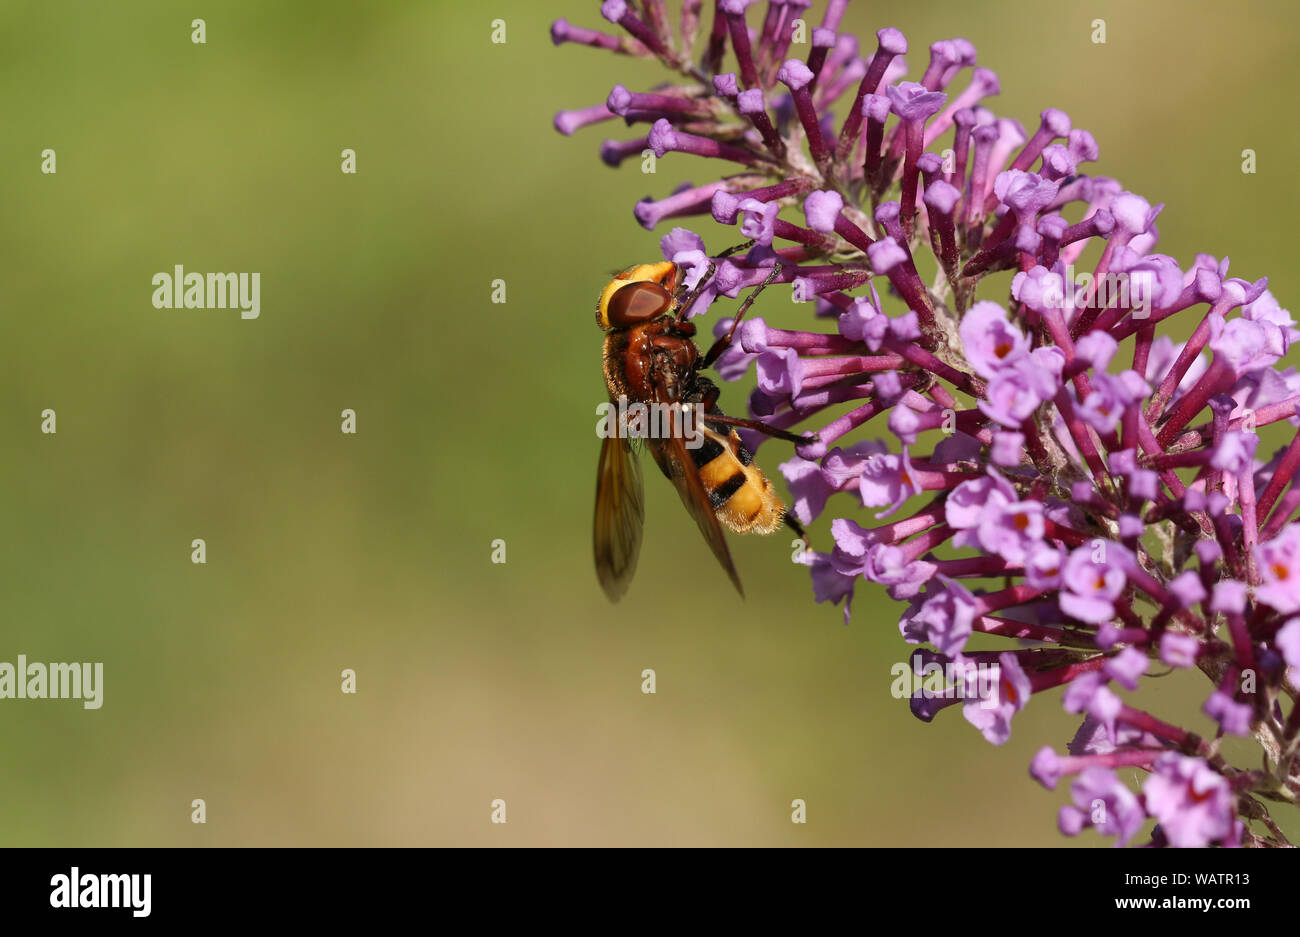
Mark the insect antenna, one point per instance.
(723, 343)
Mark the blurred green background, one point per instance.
(328, 551)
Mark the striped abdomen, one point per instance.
(740, 493)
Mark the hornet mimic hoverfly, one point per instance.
(650, 359)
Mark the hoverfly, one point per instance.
(649, 358)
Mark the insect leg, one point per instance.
(723, 343)
(758, 427)
(685, 299)
(685, 302)
(736, 250)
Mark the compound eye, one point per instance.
(638, 302)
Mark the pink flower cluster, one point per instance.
(1049, 469)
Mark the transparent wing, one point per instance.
(676, 462)
(620, 515)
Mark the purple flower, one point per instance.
(864, 322)
(1279, 569)
(829, 584)
(1094, 738)
(990, 704)
(735, 362)
(1047, 767)
(822, 209)
(808, 487)
(1229, 596)
(991, 341)
(1091, 489)
(1233, 716)
(1192, 801)
(1043, 565)
(887, 480)
(1008, 447)
(1098, 348)
(1025, 193)
(943, 619)
(1111, 395)
(1187, 588)
(1091, 581)
(780, 372)
(1089, 694)
(1266, 311)
(758, 220)
(1127, 666)
(1103, 802)
(1244, 345)
(968, 502)
(912, 101)
(1179, 650)
(890, 566)
(1012, 531)
(1015, 392)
